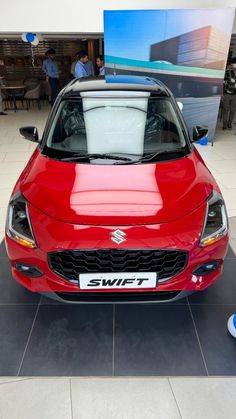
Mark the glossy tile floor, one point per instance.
(188, 338)
(120, 398)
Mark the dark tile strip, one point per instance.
(30, 333)
(213, 304)
(198, 339)
(20, 304)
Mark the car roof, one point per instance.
(115, 82)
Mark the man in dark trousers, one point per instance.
(229, 96)
(50, 67)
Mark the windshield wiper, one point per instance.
(77, 157)
(151, 156)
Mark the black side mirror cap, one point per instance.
(199, 132)
(30, 133)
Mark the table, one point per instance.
(14, 92)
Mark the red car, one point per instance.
(116, 204)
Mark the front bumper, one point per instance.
(53, 235)
(117, 297)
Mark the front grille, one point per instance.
(70, 263)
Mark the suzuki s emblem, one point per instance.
(118, 236)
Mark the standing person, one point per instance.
(87, 65)
(50, 67)
(229, 96)
(73, 64)
(1, 103)
(80, 68)
(90, 68)
(100, 64)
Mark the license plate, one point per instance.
(118, 280)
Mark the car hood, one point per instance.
(116, 194)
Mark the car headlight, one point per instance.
(216, 222)
(18, 222)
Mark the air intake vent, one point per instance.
(70, 263)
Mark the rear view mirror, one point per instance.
(199, 132)
(30, 133)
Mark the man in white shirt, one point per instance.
(229, 96)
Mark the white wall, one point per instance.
(82, 16)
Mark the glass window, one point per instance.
(128, 123)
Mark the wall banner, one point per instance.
(185, 49)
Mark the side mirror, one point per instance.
(180, 105)
(30, 133)
(199, 132)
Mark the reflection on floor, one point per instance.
(45, 338)
(41, 338)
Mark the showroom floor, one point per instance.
(189, 338)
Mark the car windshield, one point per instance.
(129, 126)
